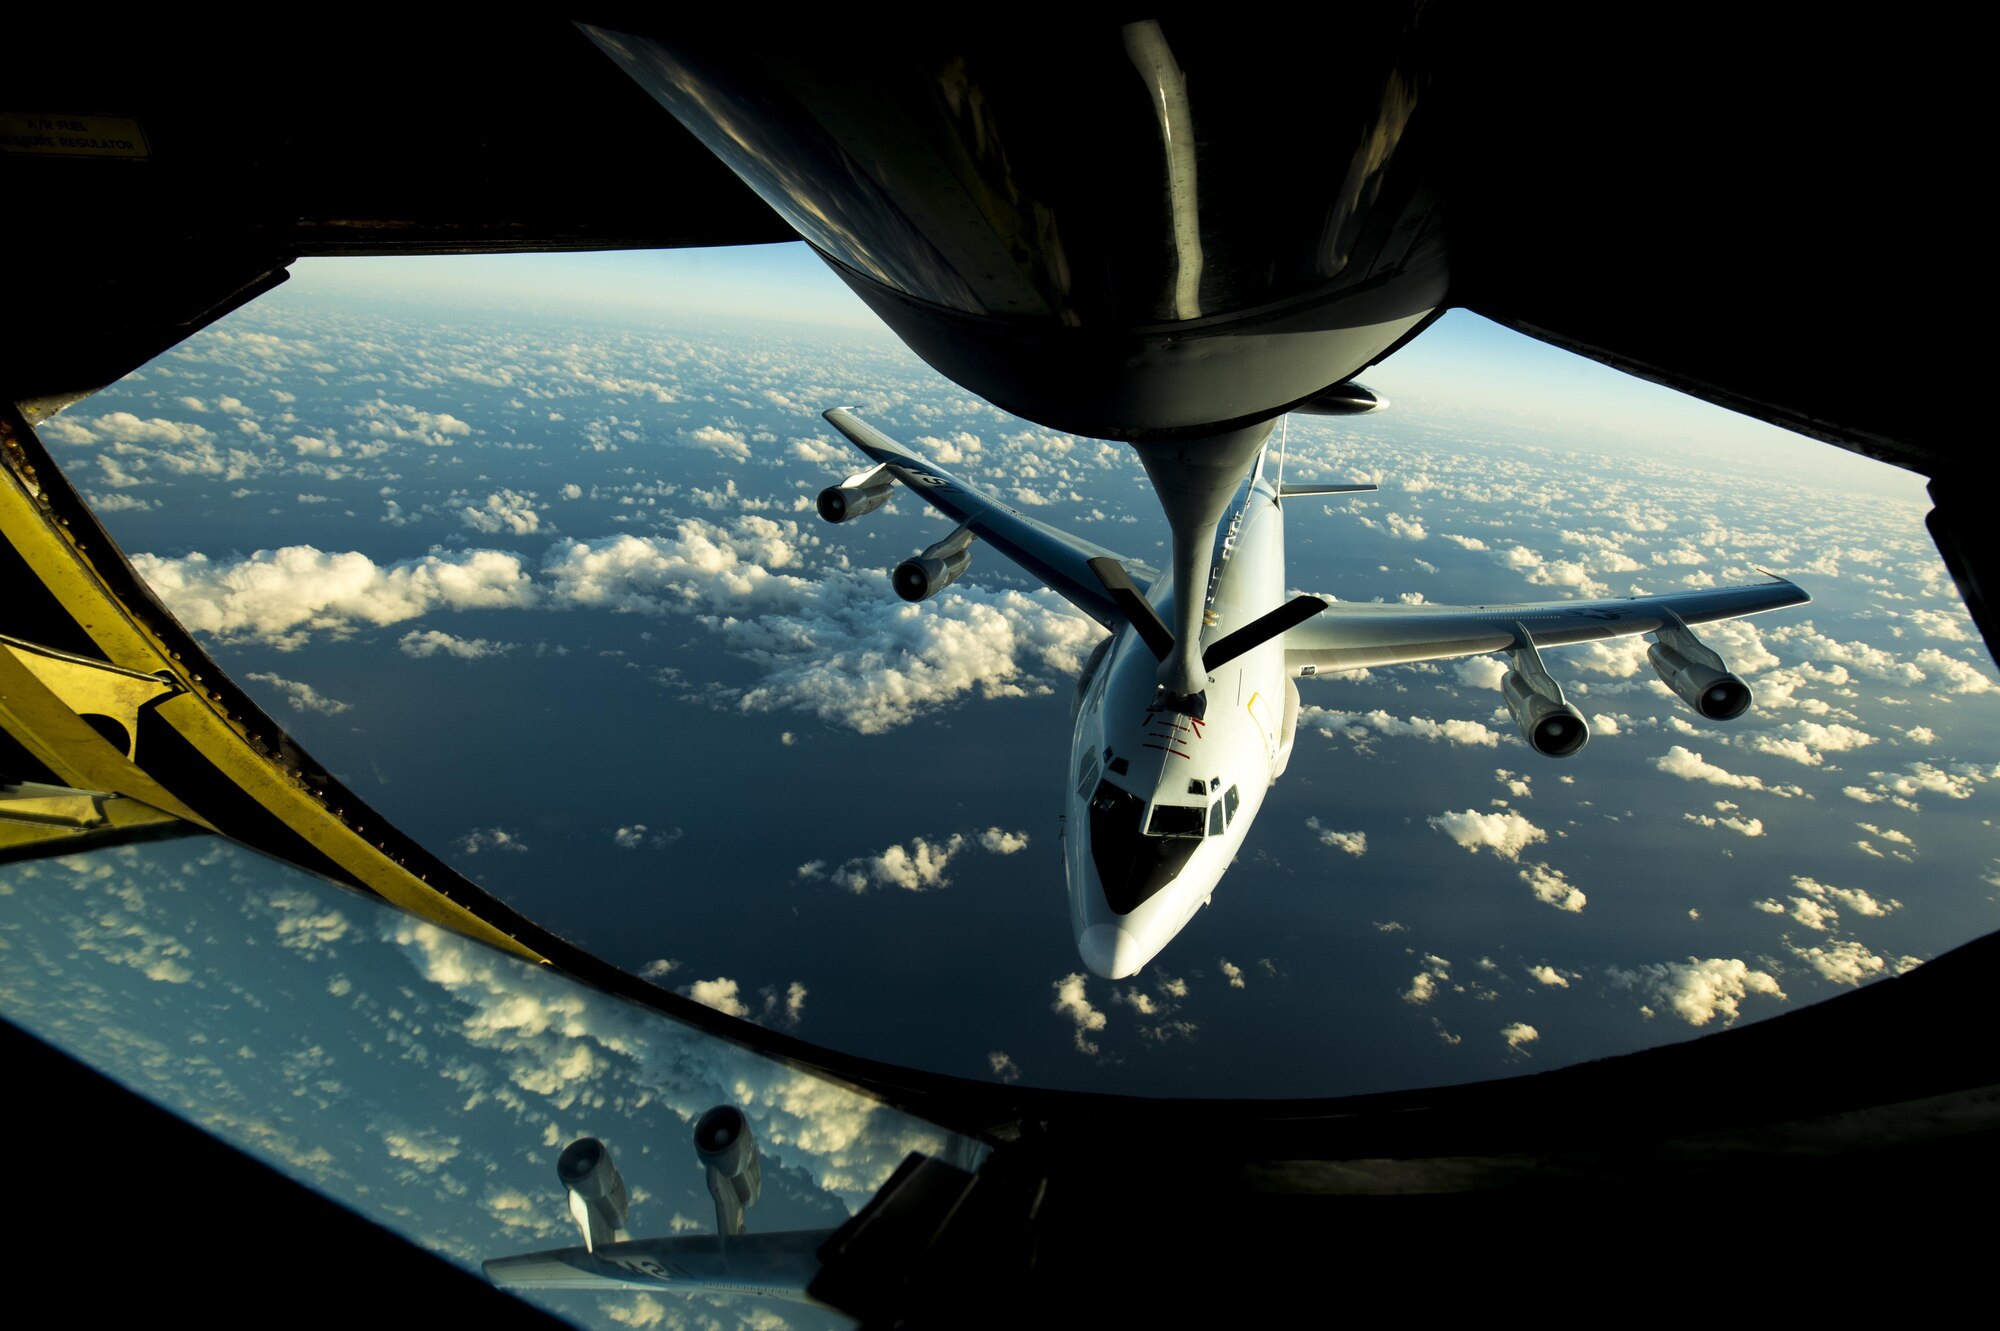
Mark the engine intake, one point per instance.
(1553, 728)
(859, 494)
(597, 1197)
(727, 1150)
(925, 575)
(1697, 674)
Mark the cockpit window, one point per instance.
(1088, 778)
(1230, 801)
(1175, 820)
(1197, 787)
(1215, 823)
(1130, 866)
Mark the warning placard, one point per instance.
(71, 136)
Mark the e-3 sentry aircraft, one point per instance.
(1186, 715)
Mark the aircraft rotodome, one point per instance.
(1186, 715)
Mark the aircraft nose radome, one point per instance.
(1110, 952)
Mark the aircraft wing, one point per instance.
(1351, 636)
(1057, 558)
(781, 1264)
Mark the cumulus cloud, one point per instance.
(1807, 741)
(1567, 573)
(1953, 674)
(504, 511)
(1549, 975)
(561, 1047)
(1072, 1002)
(1698, 991)
(1957, 781)
(701, 565)
(282, 597)
(1741, 643)
(1354, 843)
(841, 645)
(425, 1150)
(1364, 725)
(1855, 899)
(915, 868)
(1900, 843)
(997, 842)
(1747, 826)
(1424, 985)
(481, 839)
(1161, 1023)
(1232, 973)
(726, 995)
(1690, 766)
(1552, 888)
(724, 443)
(791, 1009)
(1481, 672)
(383, 419)
(824, 451)
(721, 993)
(1003, 1065)
(638, 834)
(859, 659)
(1519, 1034)
(124, 427)
(430, 642)
(1860, 657)
(303, 697)
(1620, 658)
(1843, 961)
(305, 923)
(1504, 832)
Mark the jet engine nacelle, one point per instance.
(859, 494)
(1552, 729)
(597, 1196)
(1713, 691)
(728, 1152)
(1346, 398)
(938, 567)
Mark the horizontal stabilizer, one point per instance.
(1145, 620)
(1289, 491)
(1261, 630)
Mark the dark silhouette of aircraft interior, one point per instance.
(1762, 216)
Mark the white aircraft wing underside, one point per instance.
(1059, 559)
(1353, 636)
(780, 1264)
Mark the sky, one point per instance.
(1467, 364)
(538, 573)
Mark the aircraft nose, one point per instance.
(1110, 952)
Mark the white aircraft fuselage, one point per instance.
(1185, 715)
(1158, 802)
